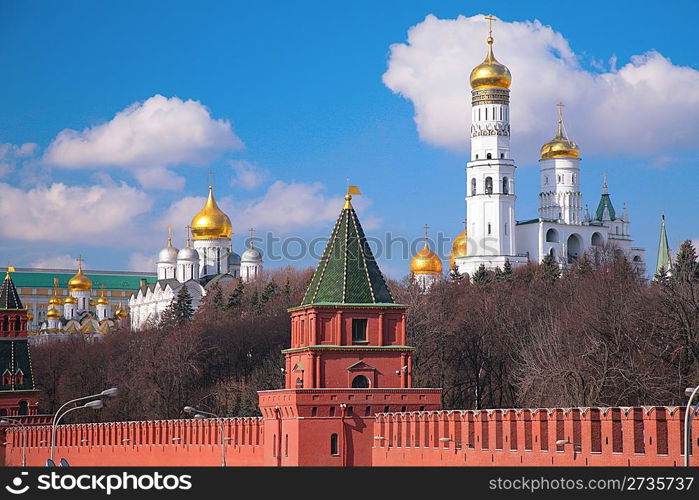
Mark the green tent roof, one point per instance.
(347, 272)
(9, 298)
(605, 202)
(664, 261)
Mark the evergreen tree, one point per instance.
(216, 297)
(661, 277)
(255, 302)
(481, 275)
(685, 267)
(236, 296)
(270, 291)
(499, 276)
(582, 266)
(287, 287)
(454, 273)
(507, 272)
(180, 309)
(549, 270)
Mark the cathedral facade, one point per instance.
(207, 260)
(564, 229)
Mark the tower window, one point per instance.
(473, 187)
(360, 382)
(334, 445)
(489, 156)
(488, 185)
(359, 330)
(505, 228)
(505, 186)
(488, 227)
(502, 155)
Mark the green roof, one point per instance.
(605, 202)
(664, 261)
(347, 272)
(9, 298)
(115, 281)
(14, 356)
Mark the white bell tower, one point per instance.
(490, 186)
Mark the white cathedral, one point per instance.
(209, 260)
(493, 235)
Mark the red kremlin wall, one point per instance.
(646, 436)
(147, 443)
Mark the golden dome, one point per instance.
(211, 222)
(102, 300)
(30, 315)
(70, 300)
(560, 146)
(490, 73)
(54, 300)
(425, 261)
(52, 313)
(120, 312)
(79, 282)
(458, 248)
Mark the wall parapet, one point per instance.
(648, 435)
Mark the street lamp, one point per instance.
(201, 415)
(10, 421)
(690, 392)
(95, 405)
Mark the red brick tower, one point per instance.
(18, 396)
(348, 360)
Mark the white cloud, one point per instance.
(146, 138)
(287, 207)
(142, 262)
(646, 107)
(248, 175)
(11, 155)
(58, 262)
(77, 214)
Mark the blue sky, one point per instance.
(301, 86)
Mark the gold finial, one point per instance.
(169, 236)
(350, 191)
(211, 178)
(604, 185)
(427, 227)
(189, 229)
(561, 132)
(10, 269)
(80, 261)
(490, 20)
(55, 281)
(251, 232)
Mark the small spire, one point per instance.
(251, 232)
(211, 178)
(427, 227)
(561, 130)
(189, 230)
(169, 236)
(80, 261)
(490, 18)
(604, 185)
(348, 197)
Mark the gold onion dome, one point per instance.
(102, 300)
(426, 261)
(458, 248)
(560, 146)
(70, 300)
(54, 300)
(52, 313)
(120, 312)
(211, 222)
(79, 282)
(490, 73)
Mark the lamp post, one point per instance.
(108, 393)
(201, 415)
(689, 392)
(11, 421)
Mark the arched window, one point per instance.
(473, 187)
(489, 156)
(488, 227)
(488, 185)
(360, 382)
(476, 156)
(18, 324)
(505, 185)
(552, 236)
(23, 408)
(552, 253)
(597, 240)
(502, 155)
(334, 445)
(5, 323)
(546, 179)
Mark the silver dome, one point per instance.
(168, 255)
(233, 259)
(252, 255)
(188, 253)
